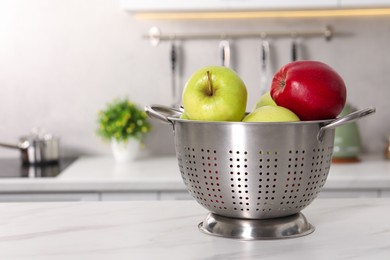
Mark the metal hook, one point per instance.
(328, 33)
(154, 36)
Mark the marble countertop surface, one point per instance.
(162, 174)
(345, 229)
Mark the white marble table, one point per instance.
(345, 229)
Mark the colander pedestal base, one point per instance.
(256, 229)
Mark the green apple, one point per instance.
(271, 114)
(184, 116)
(215, 93)
(265, 100)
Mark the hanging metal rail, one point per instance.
(155, 35)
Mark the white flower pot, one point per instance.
(125, 151)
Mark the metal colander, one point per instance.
(253, 170)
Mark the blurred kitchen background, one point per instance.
(63, 61)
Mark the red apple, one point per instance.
(311, 89)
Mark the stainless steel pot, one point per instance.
(37, 148)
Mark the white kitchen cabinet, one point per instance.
(222, 5)
(358, 193)
(238, 5)
(173, 5)
(175, 195)
(48, 197)
(364, 3)
(385, 194)
(159, 195)
(152, 195)
(280, 4)
(127, 196)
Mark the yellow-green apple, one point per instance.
(215, 93)
(265, 100)
(183, 116)
(271, 114)
(311, 89)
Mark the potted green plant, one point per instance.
(124, 124)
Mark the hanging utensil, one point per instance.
(179, 72)
(173, 60)
(224, 47)
(294, 49)
(265, 66)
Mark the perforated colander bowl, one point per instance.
(253, 170)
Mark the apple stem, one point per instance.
(210, 85)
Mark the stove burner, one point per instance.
(14, 168)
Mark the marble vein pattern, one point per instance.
(345, 229)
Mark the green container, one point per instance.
(347, 142)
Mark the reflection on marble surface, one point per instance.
(14, 168)
(345, 229)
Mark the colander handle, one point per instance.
(345, 120)
(162, 113)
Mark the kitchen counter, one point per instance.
(345, 229)
(105, 174)
(99, 174)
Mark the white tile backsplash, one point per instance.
(62, 61)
